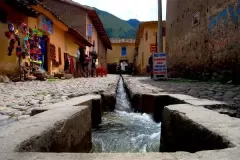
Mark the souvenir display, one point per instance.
(28, 49)
(10, 34)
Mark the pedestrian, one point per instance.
(89, 67)
(82, 61)
(148, 70)
(150, 62)
(133, 71)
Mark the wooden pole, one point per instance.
(160, 38)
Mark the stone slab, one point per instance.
(184, 119)
(61, 129)
(226, 154)
(73, 102)
(205, 102)
(17, 99)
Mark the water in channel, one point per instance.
(124, 130)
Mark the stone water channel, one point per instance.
(126, 131)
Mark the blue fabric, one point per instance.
(43, 50)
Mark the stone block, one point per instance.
(68, 76)
(148, 103)
(96, 112)
(65, 129)
(59, 75)
(189, 128)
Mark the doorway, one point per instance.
(44, 48)
(124, 66)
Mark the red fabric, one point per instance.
(72, 70)
(88, 59)
(101, 71)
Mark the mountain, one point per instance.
(134, 22)
(116, 27)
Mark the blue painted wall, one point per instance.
(231, 13)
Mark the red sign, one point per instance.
(153, 48)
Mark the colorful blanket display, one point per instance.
(28, 45)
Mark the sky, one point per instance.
(143, 10)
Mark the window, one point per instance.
(52, 52)
(59, 56)
(3, 16)
(146, 36)
(124, 51)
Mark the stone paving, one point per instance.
(212, 91)
(18, 99)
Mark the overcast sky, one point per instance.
(143, 10)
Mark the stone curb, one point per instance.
(60, 129)
(189, 128)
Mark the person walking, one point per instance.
(150, 62)
(148, 70)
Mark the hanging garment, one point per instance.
(66, 62)
(71, 66)
(11, 46)
(41, 57)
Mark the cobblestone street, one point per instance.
(18, 99)
(212, 91)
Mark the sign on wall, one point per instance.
(90, 30)
(46, 24)
(152, 48)
(159, 66)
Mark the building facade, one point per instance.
(203, 39)
(122, 51)
(86, 21)
(9, 64)
(146, 43)
(55, 36)
(63, 42)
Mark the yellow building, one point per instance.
(8, 10)
(146, 43)
(122, 50)
(60, 38)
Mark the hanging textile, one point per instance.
(72, 66)
(66, 63)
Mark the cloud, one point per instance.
(143, 10)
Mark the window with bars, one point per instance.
(124, 51)
(52, 52)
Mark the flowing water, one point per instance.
(125, 131)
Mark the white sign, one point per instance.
(159, 66)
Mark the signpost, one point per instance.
(159, 66)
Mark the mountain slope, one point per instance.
(116, 27)
(133, 22)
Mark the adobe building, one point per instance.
(146, 43)
(86, 21)
(122, 52)
(203, 39)
(52, 35)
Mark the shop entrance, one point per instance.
(44, 48)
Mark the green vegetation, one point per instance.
(116, 27)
